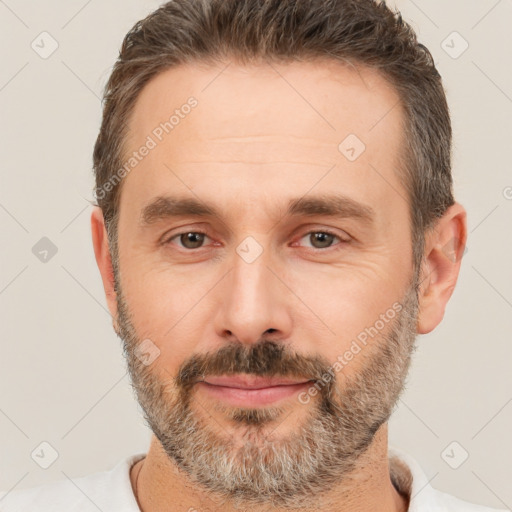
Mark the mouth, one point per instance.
(246, 390)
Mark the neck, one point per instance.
(158, 482)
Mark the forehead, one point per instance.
(233, 127)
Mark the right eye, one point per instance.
(189, 239)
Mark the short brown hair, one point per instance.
(364, 32)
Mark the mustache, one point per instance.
(264, 359)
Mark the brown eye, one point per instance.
(321, 239)
(190, 239)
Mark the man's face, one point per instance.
(257, 288)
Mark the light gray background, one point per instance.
(62, 376)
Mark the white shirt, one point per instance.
(111, 491)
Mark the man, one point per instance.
(275, 225)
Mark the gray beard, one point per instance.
(248, 463)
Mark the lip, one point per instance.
(249, 391)
(252, 382)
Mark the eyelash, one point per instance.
(199, 232)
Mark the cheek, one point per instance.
(349, 294)
(346, 305)
(167, 307)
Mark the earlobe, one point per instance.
(104, 260)
(444, 248)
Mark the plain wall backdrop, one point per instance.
(62, 376)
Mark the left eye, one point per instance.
(321, 239)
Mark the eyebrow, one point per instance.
(328, 205)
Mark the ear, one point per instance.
(104, 261)
(444, 247)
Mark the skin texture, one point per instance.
(260, 136)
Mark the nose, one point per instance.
(253, 302)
